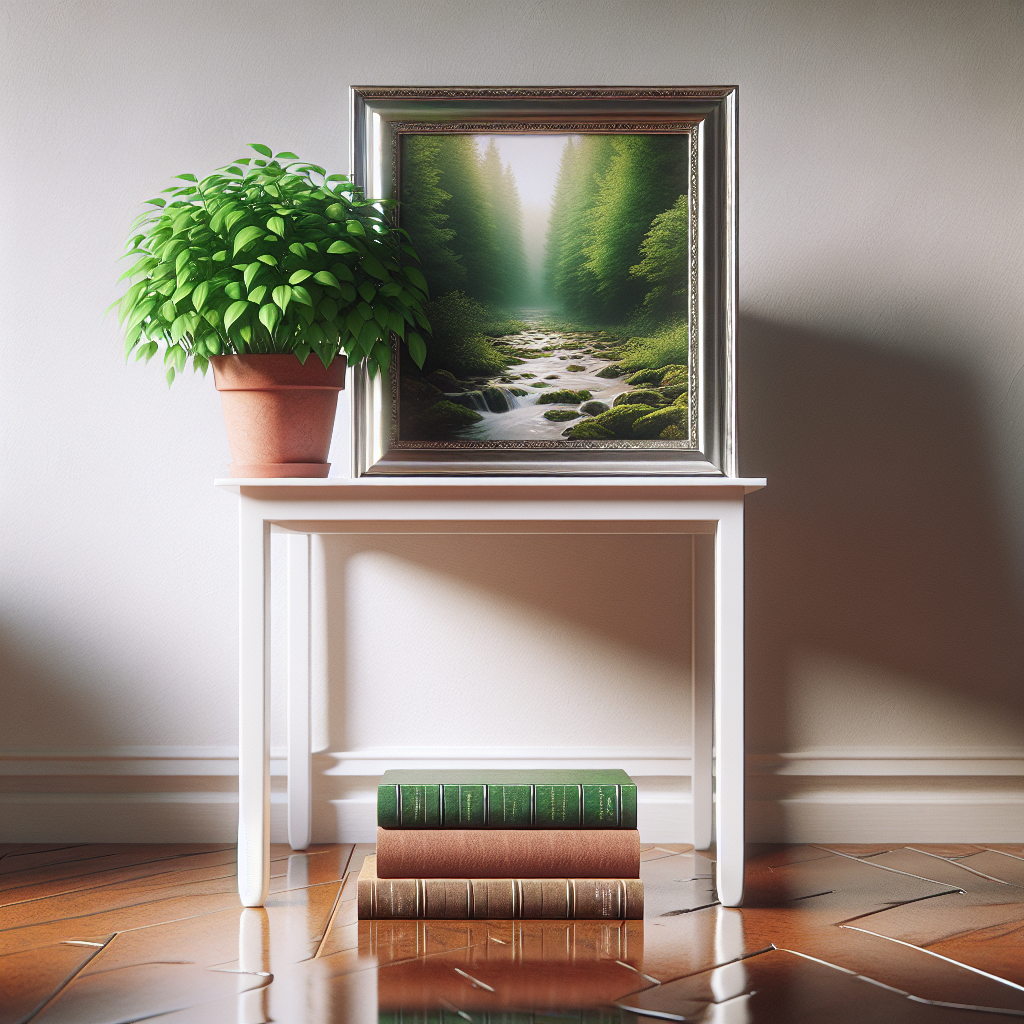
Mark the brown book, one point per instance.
(497, 898)
(507, 853)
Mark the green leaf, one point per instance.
(348, 292)
(335, 177)
(373, 267)
(380, 314)
(367, 291)
(156, 202)
(282, 295)
(180, 327)
(276, 224)
(250, 272)
(202, 290)
(186, 177)
(365, 310)
(260, 148)
(354, 322)
(233, 290)
(268, 259)
(354, 227)
(233, 312)
(167, 311)
(298, 249)
(325, 277)
(143, 266)
(413, 275)
(341, 246)
(328, 309)
(181, 292)
(300, 295)
(256, 295)
(417, 348)
(170, 376)
(233, 218)
(270, 316)
(182, 260)
(245, 237)
(342, 272)
(300, 275)
(382, 354)
(285, 156)
(335, 211)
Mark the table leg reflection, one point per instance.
(253, 958)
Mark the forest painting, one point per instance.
(559, 273)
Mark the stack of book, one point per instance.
(504, 845)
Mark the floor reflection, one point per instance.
(430, 968)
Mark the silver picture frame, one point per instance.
(381, 116)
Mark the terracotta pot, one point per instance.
(279, 412)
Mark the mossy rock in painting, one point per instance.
(497, 399)
(527, 376)
(419, 392)
(575, 368)
(619, 421)
(673, 432)
(447, 382)
(675, 374)
(561, 414)
(641, 397)
(563, 396)
(541, 384)
(594, 408)
(518, 392)
(674, 392)
(552, 376)
(683, 400)
(646, 377)
(590, 430)
(648, 427)
(448, 414)
(610, 371)
(514, 362)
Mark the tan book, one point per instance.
(498, 898)
(507, 853)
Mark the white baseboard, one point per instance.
(809, 796)
(895, 816)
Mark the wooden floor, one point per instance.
(105, 934)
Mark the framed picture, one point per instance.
(579, 248)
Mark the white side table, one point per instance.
(708, 508)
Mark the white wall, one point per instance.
(881, 392)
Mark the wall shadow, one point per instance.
(878, 536)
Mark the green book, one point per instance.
(520, 798)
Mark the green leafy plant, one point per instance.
(270, 256)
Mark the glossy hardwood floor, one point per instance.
(106, 934)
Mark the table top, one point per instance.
(339, 485)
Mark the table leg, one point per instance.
(300, 761)
(253, 704)
(703, 674)
(730, 753)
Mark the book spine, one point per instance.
(507, 853)
(500, 898)
(556, 807)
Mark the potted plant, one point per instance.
(255, 269)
